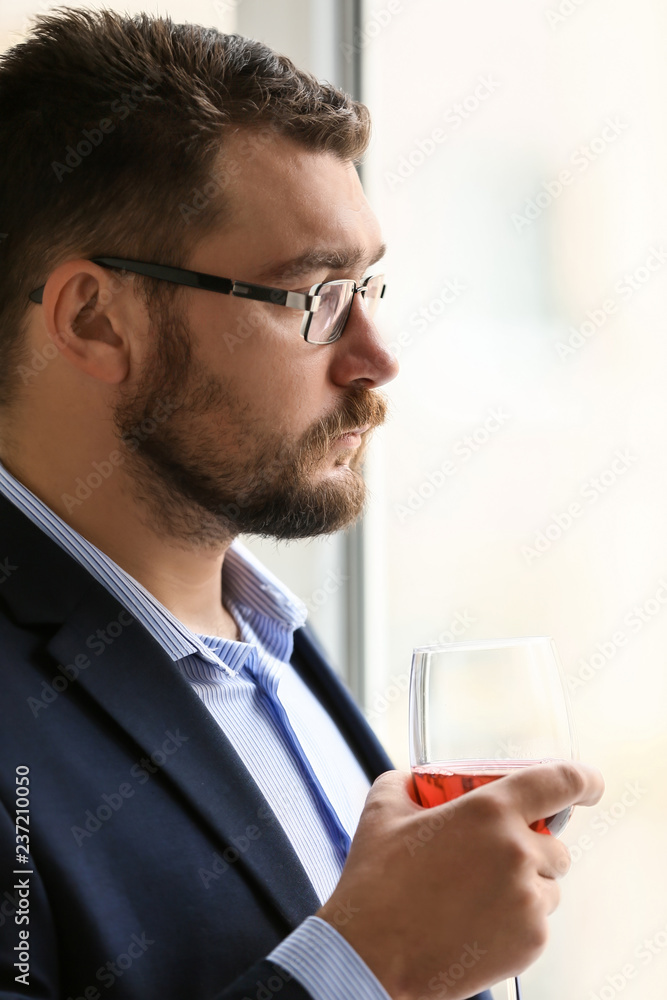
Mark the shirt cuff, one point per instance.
(325, 964)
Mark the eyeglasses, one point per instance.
(327, 305)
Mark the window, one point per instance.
(520, 487)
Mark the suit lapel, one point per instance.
(139, 686)
(136, 683)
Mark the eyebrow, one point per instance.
(318, 259)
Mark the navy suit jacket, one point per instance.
(157, 869)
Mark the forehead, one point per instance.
(285, 198)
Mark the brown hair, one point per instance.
(110, 130)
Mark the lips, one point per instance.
(356, 430)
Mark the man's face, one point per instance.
(254, 444)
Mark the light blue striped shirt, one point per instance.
(218, 669)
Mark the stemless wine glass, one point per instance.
(480, 709)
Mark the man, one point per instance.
(185, 794)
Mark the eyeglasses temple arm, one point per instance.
(176, 275)
(208, 282)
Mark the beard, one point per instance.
(206, 467)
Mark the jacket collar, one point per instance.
(137, 684)
(135, 681)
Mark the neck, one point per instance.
(98, 499)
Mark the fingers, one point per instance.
(536, 792)
(544, 789)
(552, 863)
(393, 786)
(555, 860)
(390, 782)
(549, 891)
(392, 790)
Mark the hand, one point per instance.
(465, 885)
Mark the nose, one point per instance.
(360, 355)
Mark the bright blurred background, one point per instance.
(518, 168)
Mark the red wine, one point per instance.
(446, 780)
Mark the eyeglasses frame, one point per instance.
(310, 302)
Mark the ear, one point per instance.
(93, 317)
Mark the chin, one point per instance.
(343, 462)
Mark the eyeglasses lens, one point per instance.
(334, 300)
(327, 323)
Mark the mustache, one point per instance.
(364, 406)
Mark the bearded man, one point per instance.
(192, 806)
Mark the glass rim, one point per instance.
(471, 644)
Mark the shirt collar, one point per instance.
(245, 581)
(248, 582)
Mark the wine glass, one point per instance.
(480, 709)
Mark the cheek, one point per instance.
(275, 372)
(293, 395)
(247, 334)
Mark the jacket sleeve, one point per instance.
(314, 962)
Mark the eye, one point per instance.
(306, 290)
